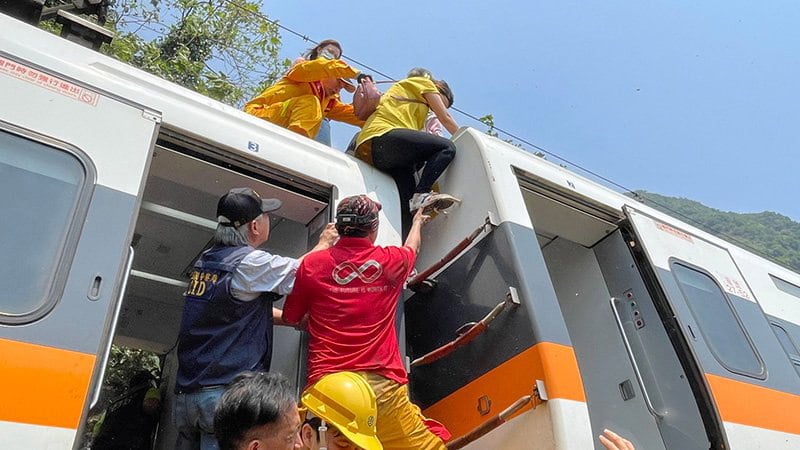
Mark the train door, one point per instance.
(591, 266)
(71, 166)
(708, 309)
(176, 222)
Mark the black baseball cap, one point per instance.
(241, 205)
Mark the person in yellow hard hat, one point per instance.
(341, 414)
(309, 93)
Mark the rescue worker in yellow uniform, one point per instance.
(304, 96)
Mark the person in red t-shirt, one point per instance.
(348, 295)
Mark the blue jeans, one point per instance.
(194, 418)
(324, 134)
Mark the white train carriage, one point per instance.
(570, 308)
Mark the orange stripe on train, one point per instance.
(756, 406)
(554, 363)
(43, 385)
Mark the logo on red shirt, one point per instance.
(346, 272)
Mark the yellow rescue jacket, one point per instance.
(304, 79)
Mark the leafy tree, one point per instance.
(123, 363)
(225, 49)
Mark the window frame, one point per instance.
(762, 374)
(794, 359)
(786, 287)
(69, 243)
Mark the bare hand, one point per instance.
(421, 217)
(613, 441)
(329, 236)
(303, 324)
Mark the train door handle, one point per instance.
(647, 401)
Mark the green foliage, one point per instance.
(488, 120)
(224, 49)
(771, 235)
(123, 364)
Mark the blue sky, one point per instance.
(684, 98)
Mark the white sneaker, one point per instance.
(431, 202)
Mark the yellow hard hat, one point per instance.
(346, 401)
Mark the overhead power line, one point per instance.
(513, 136)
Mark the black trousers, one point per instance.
(401, 151)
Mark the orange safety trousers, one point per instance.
(400, 423)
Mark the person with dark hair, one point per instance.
(432, 123)
(327, 49)
(349, 294)
(392, 140)
(129, 421)
(228, 314)
(257, 411)
(309, 93)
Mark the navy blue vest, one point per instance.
(221, 336)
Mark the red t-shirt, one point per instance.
(350, 292)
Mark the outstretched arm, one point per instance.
(414, 239)
(320, 69)
(344, 112)
(327, 238)
(436, 104)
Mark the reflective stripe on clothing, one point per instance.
(400, 423)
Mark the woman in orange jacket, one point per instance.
(308, 93)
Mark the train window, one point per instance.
(785, 286)
(41, 186)
(718, 322)
(788, 344)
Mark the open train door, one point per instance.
(72, 160)
(706, 307)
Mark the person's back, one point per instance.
(228, 314)
(307, 96)
(218, 332)
(354, 288)
(403, 106)
(350, 294)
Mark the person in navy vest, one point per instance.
(228, 314)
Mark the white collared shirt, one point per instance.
(261, 272)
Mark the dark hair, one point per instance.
(252, 400)
(314, 423)
(445, 90)
(313, 52)
(357, 216)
